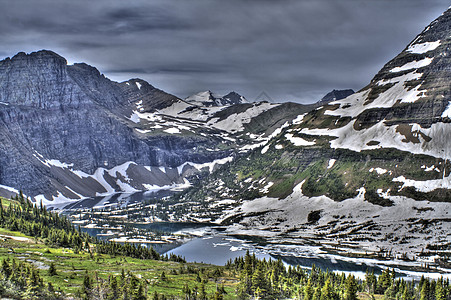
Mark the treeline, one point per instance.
(272, 280)
(21, 280)
(55, 230)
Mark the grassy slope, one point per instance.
(71, 267)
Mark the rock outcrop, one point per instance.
(335, 95)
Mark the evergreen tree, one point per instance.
(327, 292)
(317, 294)
(163, 276)
(440, 293)
(351, 288)
(113, 289)
(155, 296)
(424, 294)
(259, 280)
(308, 290)
(52, 269)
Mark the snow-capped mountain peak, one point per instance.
(208, 99)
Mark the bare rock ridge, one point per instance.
(335, 95)
(69, 132)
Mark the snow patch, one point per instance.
(8, 188)
(57, 163)
(425, 186)
(298, 119)
(447, 112)
(413, 65)
(235, 122)
(424, 47)
(331, 163)
(297, 141)
(134, 117)
(172, 130)
(209, 165)
(379, 171)
(389, 137)
(355, 104)
(265, 189)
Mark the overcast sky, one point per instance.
(293, 50)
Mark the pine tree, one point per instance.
(87, 286)
(259, 280)
(155, 296)
(424, 294)
(113, 290)
(163, 276)
(186, 291)
(242, 290)
(6, 269)
(52, 269)
(351, 288)
(327, 292)
(317, 294)
(440, 293)
(308, 290)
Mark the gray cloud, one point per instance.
(292, 50)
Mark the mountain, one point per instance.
(335, 95)
(207, 99)
(68, 132)
(369, 172)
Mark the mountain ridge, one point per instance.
(359, 173)
(69, 132)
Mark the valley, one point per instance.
(120, 190)
(170, 227)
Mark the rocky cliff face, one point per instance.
(69, 132)
(335, 95)
(76, 117)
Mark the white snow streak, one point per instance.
(331, 163)
(172, 130)
(424, 47)
(413, 65)
(297, 141)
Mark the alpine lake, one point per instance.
(108, 218)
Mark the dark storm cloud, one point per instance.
(293, 50)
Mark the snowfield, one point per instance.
(353, 225)
(390, 137)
